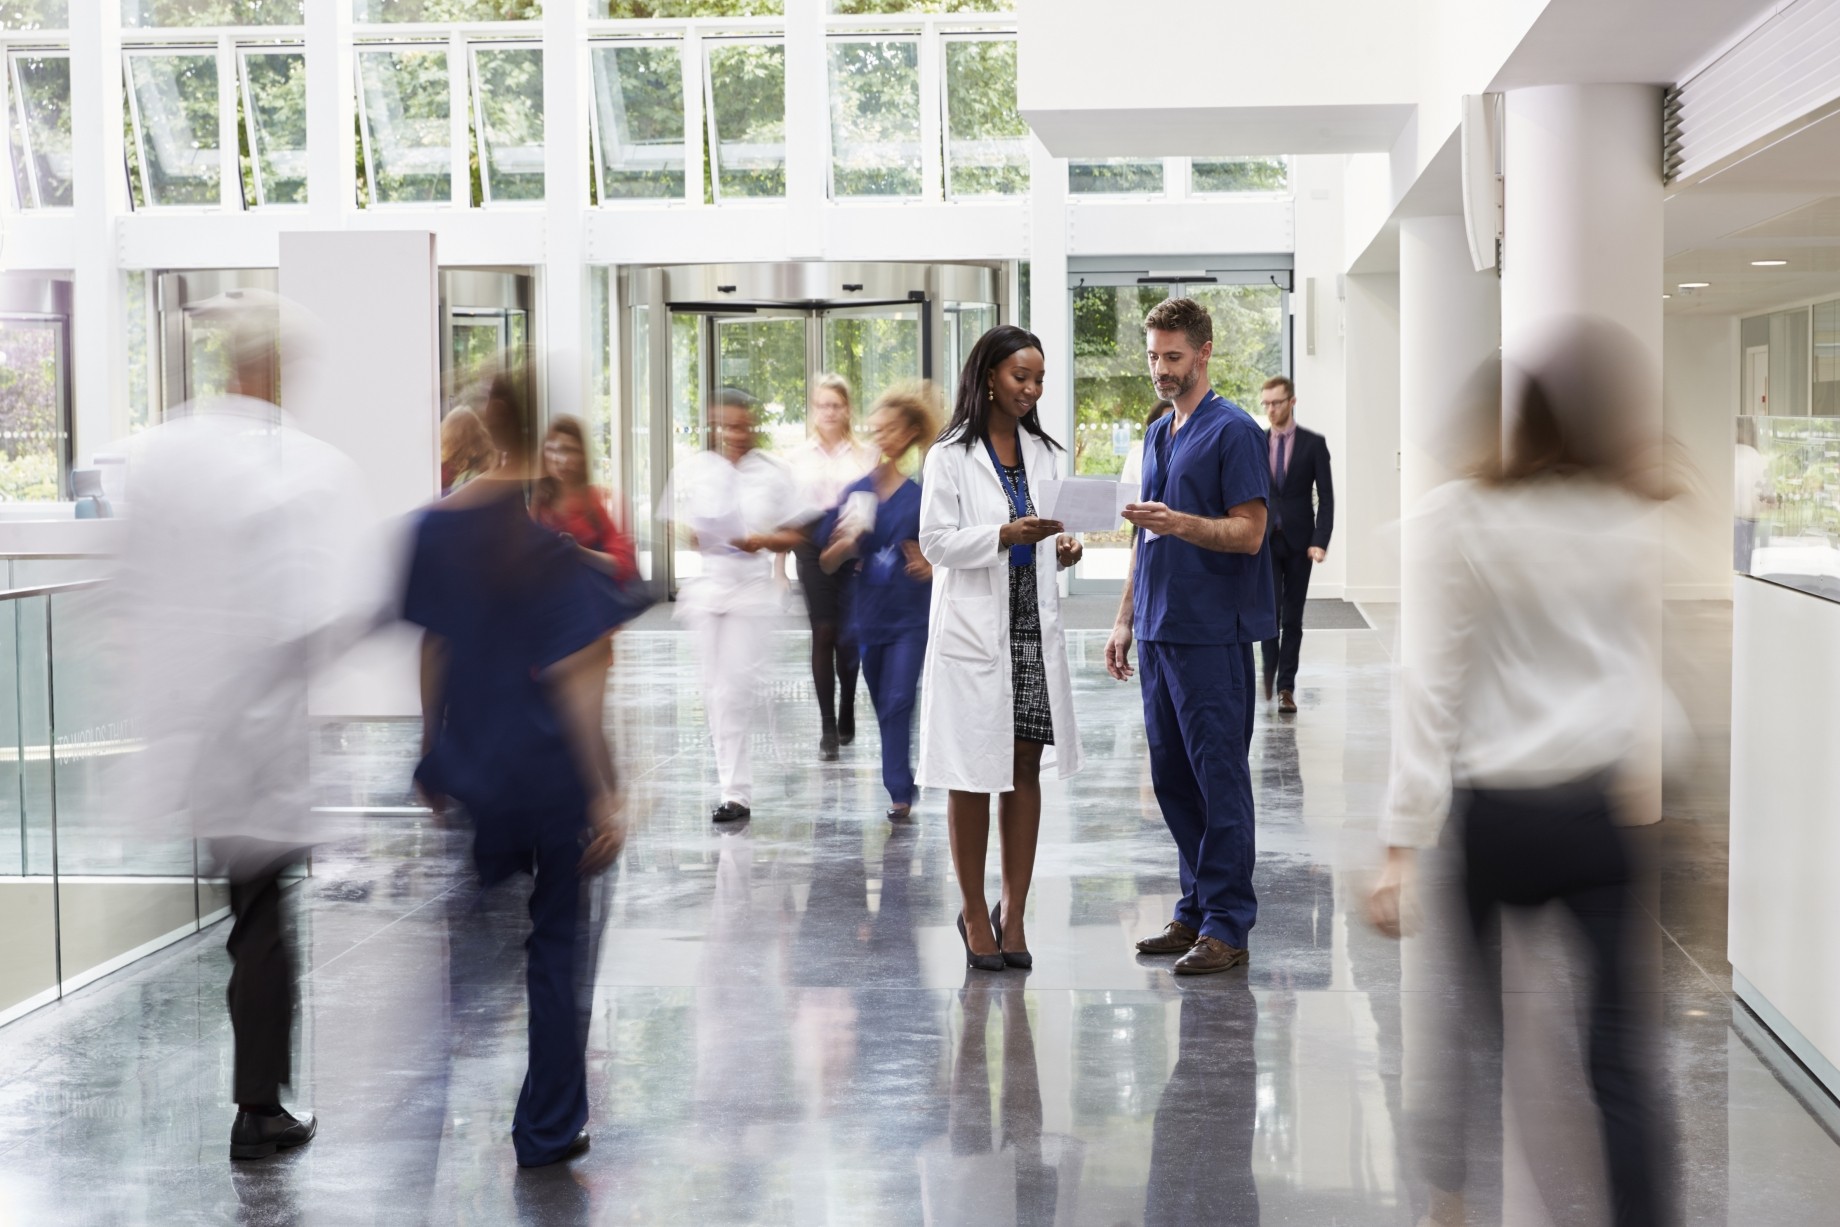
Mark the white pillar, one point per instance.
(807, 129)
(1582, 237)
(332, 177)
(98, 341)
(564, 334)
(1367, 477)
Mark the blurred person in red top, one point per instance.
(568, 503)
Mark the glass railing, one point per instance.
(85, 888)
(1787, 510)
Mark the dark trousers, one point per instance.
(893, 673)
(1201, 1139)
(1536, 846)
(261, 991)
(566, 913)
(834, 657)
(1290, 580)
(1198, 701)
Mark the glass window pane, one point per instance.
(1141, 176)
(275, 105)
(508, 83)
(987, 149)
(747, 118)
(875, 118)
(874, 349)
(623, 10)
(154, 13)
(34, 15)
(33, 395)
(175, 119)
(639, 120)
(859, 8)
(41, 129)
(1240, 175)
(764, 356)
(408, 150)
(446, 10)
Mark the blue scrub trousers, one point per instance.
(566, 914)
(1198, 703)
(893, 672)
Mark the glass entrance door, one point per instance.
(875, 348)
(1112, 395)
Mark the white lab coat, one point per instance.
(967, 706)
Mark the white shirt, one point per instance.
(824, 472)
(721, 502)
(1530, 643)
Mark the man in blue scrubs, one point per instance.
(1197, 597)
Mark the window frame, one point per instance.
(707, 46)
(252, 128)
(1198, 193)
(455, 161)
(690, 148)
(946, 38)
(13, 98)
(919, 38)
(229, 169)
(476, 97)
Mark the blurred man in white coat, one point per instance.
(247, 566)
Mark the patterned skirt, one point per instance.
(1034, 722)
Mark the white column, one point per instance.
(98, 343)
(331, 104)
(1367, 475)
(565, 329)
(1582, 237)
(808, 126)
(1449, 344)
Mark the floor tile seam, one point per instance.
(367, 938)
(1688, 955)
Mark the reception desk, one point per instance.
(1784, 939)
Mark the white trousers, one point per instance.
(731, 655)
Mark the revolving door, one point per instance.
(772, 330)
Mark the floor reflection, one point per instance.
(784, 1031)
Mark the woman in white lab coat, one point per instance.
(996, 700)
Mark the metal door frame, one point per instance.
(1276, 269)
(811, 288)
(178, 292)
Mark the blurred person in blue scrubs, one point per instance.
(513, 668)
(1528, 702)
(1197, 597)
(894, 581)
(248, 567)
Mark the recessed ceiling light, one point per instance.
(1667, 296)
(1694, 285)
(1768, 263)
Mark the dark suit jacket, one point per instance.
(1303, 522)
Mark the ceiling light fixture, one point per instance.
(1667, 296)
(1694, 285)
(1768, 263)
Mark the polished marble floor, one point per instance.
(785, 1031)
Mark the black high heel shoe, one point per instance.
(973, 960)
(1020, 959)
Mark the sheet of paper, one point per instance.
(717, 534)
(1082, 504)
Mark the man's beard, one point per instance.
(1183, 387)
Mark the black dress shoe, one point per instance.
(1020, 959)
(257, 1136)
(574, 1150)
(827, 748)
(730, 811)
(846, 728)
(900, 813)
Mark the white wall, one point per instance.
(1322, 403)
(1369, 478)
(1785, 791)
(371, 389)
(1699, 390)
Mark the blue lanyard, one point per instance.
(1019, 555)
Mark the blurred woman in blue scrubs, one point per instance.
(874, 531)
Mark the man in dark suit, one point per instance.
(1302, 517)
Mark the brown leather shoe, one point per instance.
(1286, 703)
(1209, 954)
(1175, 938)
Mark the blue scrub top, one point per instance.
(510, 599)
(1182, 593)
(887, 604)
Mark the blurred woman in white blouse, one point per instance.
(1528, 700)
(823, 466)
